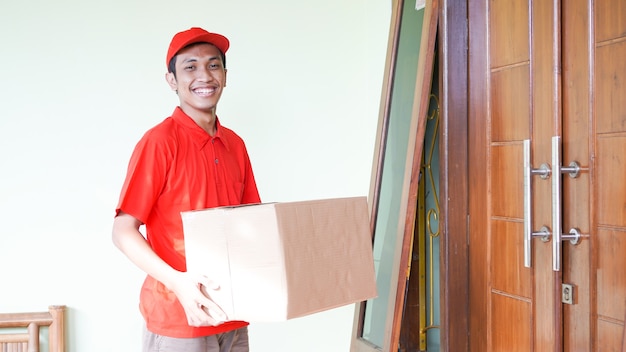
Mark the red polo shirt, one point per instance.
(175, 167)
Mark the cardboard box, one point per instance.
(277, 261)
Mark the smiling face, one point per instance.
(199, 80)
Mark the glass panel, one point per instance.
(386, 234)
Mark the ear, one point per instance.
(171, 80)
(225, 72)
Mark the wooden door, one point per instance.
(553, 73)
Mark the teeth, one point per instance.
(203, 91)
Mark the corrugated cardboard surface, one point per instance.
(278, 261)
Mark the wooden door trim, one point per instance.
(454, 181)
(478, 109)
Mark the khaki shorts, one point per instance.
(232, 341)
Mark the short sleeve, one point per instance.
(145, 177)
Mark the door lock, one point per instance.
(567, 294)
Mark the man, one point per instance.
(188, 161)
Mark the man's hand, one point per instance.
(200, 309)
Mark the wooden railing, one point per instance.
(28, 341)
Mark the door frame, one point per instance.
(454, 174)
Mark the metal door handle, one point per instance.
(574, 235)
(544, 172)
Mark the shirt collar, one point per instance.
(197, 133)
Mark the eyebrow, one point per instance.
(195, 59)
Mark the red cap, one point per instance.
(195, 35)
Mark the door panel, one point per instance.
(576, 103)
(552, 68)
(528, 112)
(508, 46)
(609, 188)
(509, 280)
(510, 102)
(610, 19)
(512, 316)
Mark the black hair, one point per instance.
(171, 67)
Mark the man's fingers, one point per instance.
(214, 311)
(206, 315)
(213, 285)
(209, 284)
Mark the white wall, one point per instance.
(81, 82)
